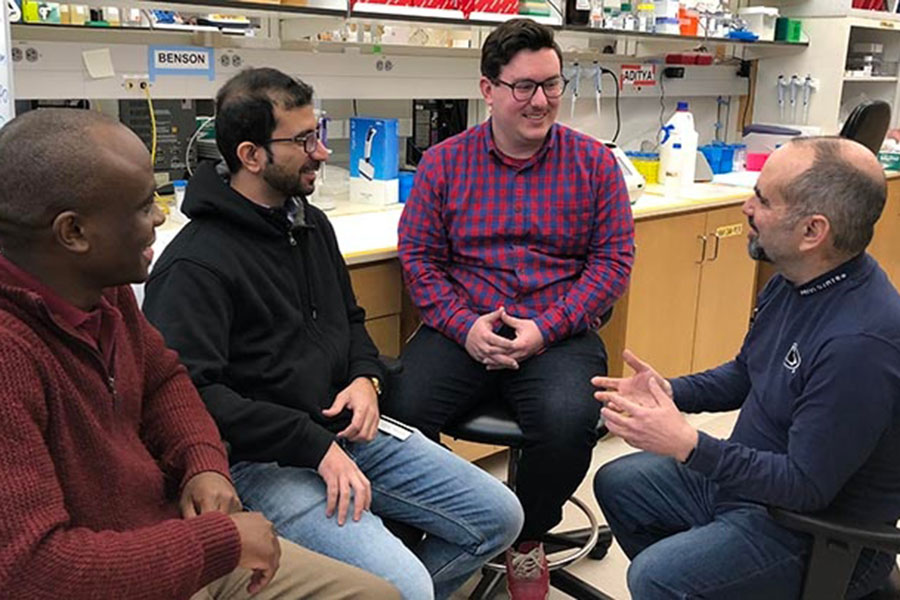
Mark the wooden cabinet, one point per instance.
(378, 288)
(691, 292)
(885, 246)
(727, 282)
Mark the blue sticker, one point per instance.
(183, 61)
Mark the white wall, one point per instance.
(59, 73)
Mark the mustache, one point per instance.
(311, 166)
(752, 224)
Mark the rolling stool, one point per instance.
(494, 423)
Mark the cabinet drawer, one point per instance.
(377, 288)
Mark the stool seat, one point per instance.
(489, 423)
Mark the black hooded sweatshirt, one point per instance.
(263, 316)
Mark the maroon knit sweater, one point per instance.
(92, 462)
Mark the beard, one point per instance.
(290, 183)
(756, 251)
(754, 248)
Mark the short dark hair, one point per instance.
(848, 196)
(47, 157)
(245, 108)
(509, 39)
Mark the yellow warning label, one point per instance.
(730, 230)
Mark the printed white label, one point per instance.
(189, 60)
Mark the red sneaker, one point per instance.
(527, 576)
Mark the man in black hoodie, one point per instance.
(254, 295)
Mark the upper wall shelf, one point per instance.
(643, 44)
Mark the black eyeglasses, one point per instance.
(525, 89)
(308, 141)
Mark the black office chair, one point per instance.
(836, 547)
(868, 124)
(494, 423)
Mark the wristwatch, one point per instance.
(376, 383)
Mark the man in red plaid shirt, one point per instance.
(517, 237)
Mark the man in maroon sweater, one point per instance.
(113, 480)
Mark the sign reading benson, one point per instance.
(181, 61)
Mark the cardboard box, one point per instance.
(373, 161)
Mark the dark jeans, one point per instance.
(686, 540)
(550, 394)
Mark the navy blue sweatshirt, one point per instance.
(818, 384)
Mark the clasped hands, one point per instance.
(497, 352)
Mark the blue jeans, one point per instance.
(467, 515)
(686, 539)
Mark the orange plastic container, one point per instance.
(689, 21)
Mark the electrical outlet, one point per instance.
(231, 59)
(136, 83)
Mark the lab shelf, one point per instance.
(870, 79)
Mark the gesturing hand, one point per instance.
(658, 427)
(635, 388)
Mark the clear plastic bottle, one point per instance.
(597, 16)
(646, 17)
(629, 21)
(671, 172)
(612, 14)
(739, 162)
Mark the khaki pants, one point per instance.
(303, 574)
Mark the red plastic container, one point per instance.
(756, 160)
(869, 4)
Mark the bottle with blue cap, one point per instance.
(678, 150)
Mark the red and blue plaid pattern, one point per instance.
(551, 238)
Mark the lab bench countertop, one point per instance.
(368, 233)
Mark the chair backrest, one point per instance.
(868, 124)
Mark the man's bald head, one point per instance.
(835, 177)
(52, 160)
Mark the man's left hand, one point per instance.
(360, 397)
(528, 341)
(207, 492)
(660, 428)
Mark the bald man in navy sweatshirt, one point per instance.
(818, 384)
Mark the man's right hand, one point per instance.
(260, 551)
(341, 475)
(487, 347)
(635, 388)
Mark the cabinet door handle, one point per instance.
(702, 238)
(715, 247)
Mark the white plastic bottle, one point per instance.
(670, 174)
(678, 144)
